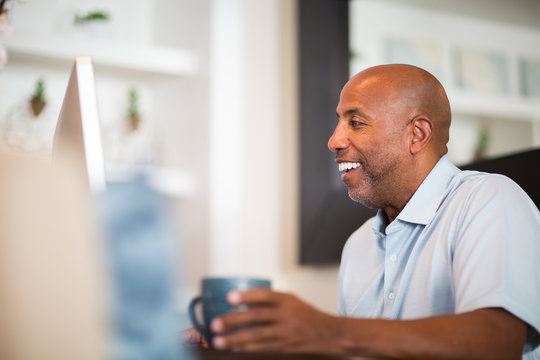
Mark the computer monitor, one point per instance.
(78, 133)
(134, 221)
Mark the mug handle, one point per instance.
(194, 321)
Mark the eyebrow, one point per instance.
(354, 111)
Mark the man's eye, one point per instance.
(356, 124)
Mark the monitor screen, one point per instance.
(78, 133)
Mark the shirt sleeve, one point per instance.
(496, 259)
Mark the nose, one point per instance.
(338, 140)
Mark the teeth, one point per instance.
(347, 166)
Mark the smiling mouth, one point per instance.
(347, 166)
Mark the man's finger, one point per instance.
(242, 318)
(253, 338)
(260, 296)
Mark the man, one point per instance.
(447, 269)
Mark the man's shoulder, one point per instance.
(477, 190)
(469, 181)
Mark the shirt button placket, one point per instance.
(390, 276)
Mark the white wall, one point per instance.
(254, 158)
(517, 12)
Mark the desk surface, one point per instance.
(212, 354)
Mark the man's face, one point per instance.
(370, 142)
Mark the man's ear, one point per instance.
(422, 130)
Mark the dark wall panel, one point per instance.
(327, 216)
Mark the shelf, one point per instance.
(492, 106)
(482, 66)
(142, 58)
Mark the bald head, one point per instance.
(409, 91)
(393, 123)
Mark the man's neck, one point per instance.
(406, 192)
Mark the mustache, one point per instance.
(342, 157)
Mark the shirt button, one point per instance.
(393, 257)
(391, 295)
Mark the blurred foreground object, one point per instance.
(5, 29)
(78, 130)
(51, 264)
(141, 255)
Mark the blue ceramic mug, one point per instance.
(214, 302)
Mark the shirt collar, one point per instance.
(379, 224)
(426, 200)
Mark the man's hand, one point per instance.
(192, 337)
(283, 323)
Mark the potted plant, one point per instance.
(133, 110)
(482, 143)
(94, 23)
(92, 16)
(37, 101)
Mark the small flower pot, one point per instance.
(134, 122)
(37, 106)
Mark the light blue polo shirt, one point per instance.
(466, 240)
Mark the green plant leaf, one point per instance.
(92, 16)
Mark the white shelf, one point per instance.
(510, 108)
(143, 58)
